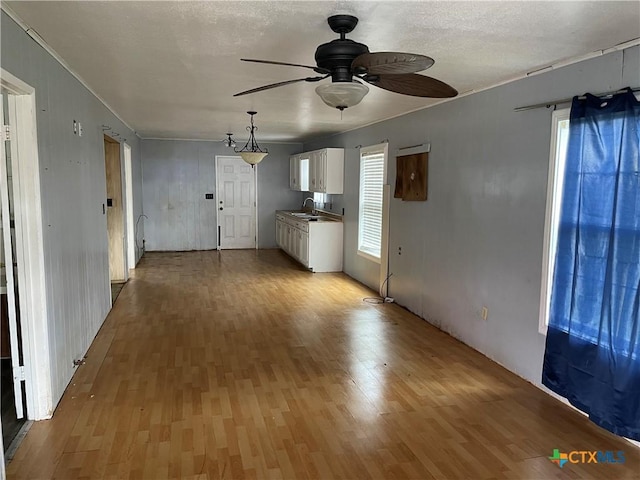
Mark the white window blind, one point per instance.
(372, 162)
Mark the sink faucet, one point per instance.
(305, 203)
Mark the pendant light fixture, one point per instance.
(229, 142)
(251, 152)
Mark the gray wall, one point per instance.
(73, 185)
(478, 239)
(177, 174)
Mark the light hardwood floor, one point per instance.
(241, 365)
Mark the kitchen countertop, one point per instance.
(307, 216)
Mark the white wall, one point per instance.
(478, 238)
(178, 174)
(73, 188)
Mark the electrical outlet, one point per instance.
(484, 313)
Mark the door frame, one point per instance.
(30, 248)
(255, 188)
(128, 214)
(122, 247)
(9, 256)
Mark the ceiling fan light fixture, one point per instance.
(342, 95)
(350, 63)
(251, 152)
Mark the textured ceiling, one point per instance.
(170, 69)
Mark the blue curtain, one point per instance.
(592, 354)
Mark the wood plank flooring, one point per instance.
(239, 364)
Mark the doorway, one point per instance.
(11, 354)
(236, 203)
(115, 216)
(20, 139)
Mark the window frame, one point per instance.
(555, 180)
(382, 148)
(319, 198)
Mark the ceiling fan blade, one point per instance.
(280, 84)
(270, 62)
(385, 63)
(412, 84)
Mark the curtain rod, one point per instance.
(569, 100)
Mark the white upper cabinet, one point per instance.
(299, 172)
(294, 172)
(317, 162)
(318, 171)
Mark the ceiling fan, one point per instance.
(348, 63)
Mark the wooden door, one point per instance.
(236, 203)
(115, 212)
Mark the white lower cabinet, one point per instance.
(303, 250)
(280, 226)
(316, 245)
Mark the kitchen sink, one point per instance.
(308, 216)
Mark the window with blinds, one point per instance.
(372, 168)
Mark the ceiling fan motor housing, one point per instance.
(337, 56)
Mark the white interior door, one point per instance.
(8, 280)
(236, 203)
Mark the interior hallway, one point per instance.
(239, 364)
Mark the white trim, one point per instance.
(40, 41)
(215, 199)
(384, 147)
(31, 277)
(384, 243)
(10, 256)
(3, 473)
(560, 64)
(231, 151)
(545, 282)
(368, 256)
(128, 189)
(255, 200)
(377, 148)
(14, 85)
(422, 148)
